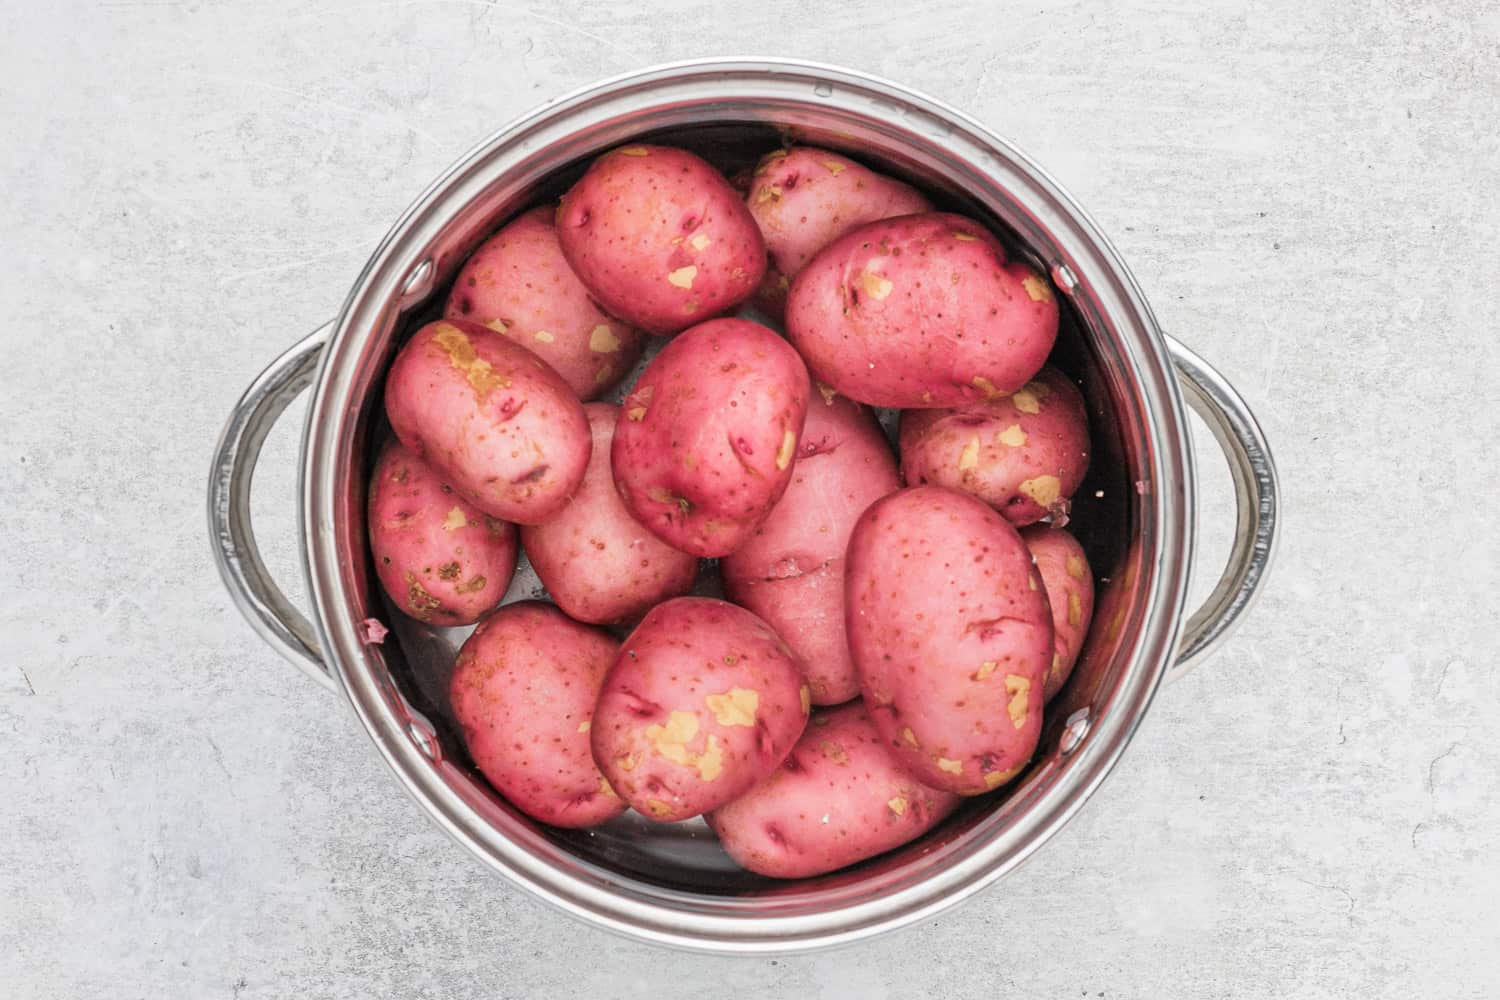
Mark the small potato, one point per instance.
(660, 238)
(518, 284)
(1023, 454)
(709, 435)
(804, 198)
(595, 560)
(523, 693)
(839, 797)
(1069, 583)
(791, 570)
(951, 634)
(702, 702)
(921, 311)
(439, 558)
(491, 419)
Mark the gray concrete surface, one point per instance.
(1305, 191)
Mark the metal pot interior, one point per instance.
(680, 866)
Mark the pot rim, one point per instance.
(394, 276)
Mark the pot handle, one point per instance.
(1256, 500)
(263, 604)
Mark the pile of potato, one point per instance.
(889, 648)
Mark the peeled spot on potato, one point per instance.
(874, 285)
(1019, 689)
(602, 340)
(969, 457)
(735, 707)
(481, 376)
(1036, 288)
(1045, 490)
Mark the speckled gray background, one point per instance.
(1304, 190)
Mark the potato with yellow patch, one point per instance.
(493, 420)
(709, 435)
(805, 198)
(523, 694)
(518, 284)
(440, 559)
(1069, 583)
(1023, 454)
(839, 797)
(702, 702)
(660, 238)
(596, 561)
(951, 633)
(791, 570)
(921, 311)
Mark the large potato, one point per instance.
(804, 198)
(951, 633)
(518, 284)
(438, 557)
(709, 435)
(523, 693)
(839, 797)
(791, 570)
(1070, 590)
(1024, 454)
(702, 702)
(491, 418)
(660, 238)
(921, 311)
(595, 560)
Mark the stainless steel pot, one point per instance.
(670, 883)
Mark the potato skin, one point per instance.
(660, 238)
(951, 634)
(1024, 454)
(709, 434)
(595, 560)
(491, 419)
(518, 284)
(1069, 583)
(440, 559)
(804, 198)
(838, 798)
(702, 702)
(921, 311)
(523, 692)
(790, 572)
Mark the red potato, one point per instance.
(491, 418)
(838, 798)
(523, 693)
(921, 311)
(702, 702)
(439, 558)
(595, 560)
(518, 284)
(804, 198)
(951, 634)
(709, 435)
(791, 570)
(660, 238)
(1070, 591)
(1024, 454)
